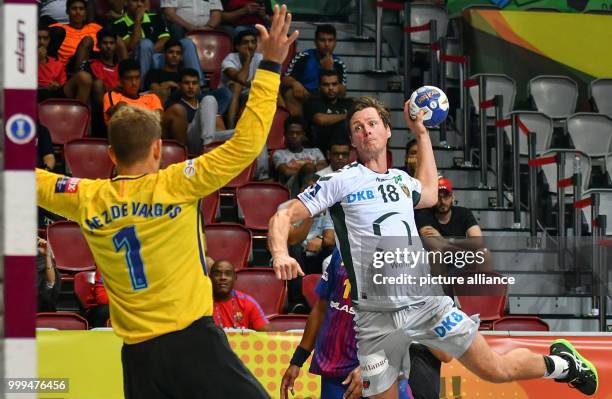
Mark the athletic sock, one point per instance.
(556, 367)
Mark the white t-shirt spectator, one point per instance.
(196, 12)
(285, 156)
(232, 60)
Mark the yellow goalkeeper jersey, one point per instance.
(145, 231)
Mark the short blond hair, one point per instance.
(131, 131)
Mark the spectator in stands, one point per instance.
(326, 113)
(44, 146)
(411, 161)
(302, 77)
(98, 315)
(193, 118)
(447, 227)
(127, 92)
(145, 34)
(244, 14)
(52, 79)
(338, 156)
(313, 239)
(52, 12)
(232, 308)
(165, 80)
(238, 69)
(186, 15)
(76, 40)
(48, 280)
(288, 162)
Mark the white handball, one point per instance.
(433, 101)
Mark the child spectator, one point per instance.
(52, 79)
(127, 92)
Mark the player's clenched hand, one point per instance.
(415, 125)
(355, 386)
(275, 43)
(286, 268)
(288, 379)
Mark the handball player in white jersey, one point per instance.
(372, 208)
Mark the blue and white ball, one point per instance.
(433, 101)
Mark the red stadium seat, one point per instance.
(228, 241)
(276, 138)
(61, 321)
(490, 307)
(88, 157)
(212, 47)
(309, 283)
(209, 207)
(83, 288)
(286, 322)
(244, 177)
(262, 284)
(172, 152)
(69, 247)
(289, 57)
(520, 323)
(66, 119)
(257, 202)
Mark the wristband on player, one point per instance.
(299, 356)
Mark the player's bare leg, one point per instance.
(564, 364)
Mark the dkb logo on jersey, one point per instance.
(449, 322)
(360, 196)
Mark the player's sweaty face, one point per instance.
(368, 132)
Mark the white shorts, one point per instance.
(384, 338)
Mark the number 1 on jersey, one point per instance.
(126, 238)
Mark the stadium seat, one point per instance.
(262, 284)
(496, 84)
(229, 241)
(83, 288)
(69, 247)
(550, 170)
(600, 94)
(591, 133)
(244, 177)
(309, 284)
(172, 152)
(212, 47)
(453, 69)
(421, 14)
(535, 122)
(66, 119)
(288, 322)
(289, 57)
(88, 158)
(257, 202)
(276, 138)
(490, 307)
(209, 206)
(61, 321)
(555, 96)
(520, 323)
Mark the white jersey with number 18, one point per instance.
(374, 212)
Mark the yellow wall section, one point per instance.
(580, 41)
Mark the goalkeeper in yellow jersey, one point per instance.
(144, 230)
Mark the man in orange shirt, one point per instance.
(52, 80)
(76, 39)
(127, 92)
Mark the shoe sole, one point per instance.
(591, 366)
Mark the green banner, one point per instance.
(456, 6)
